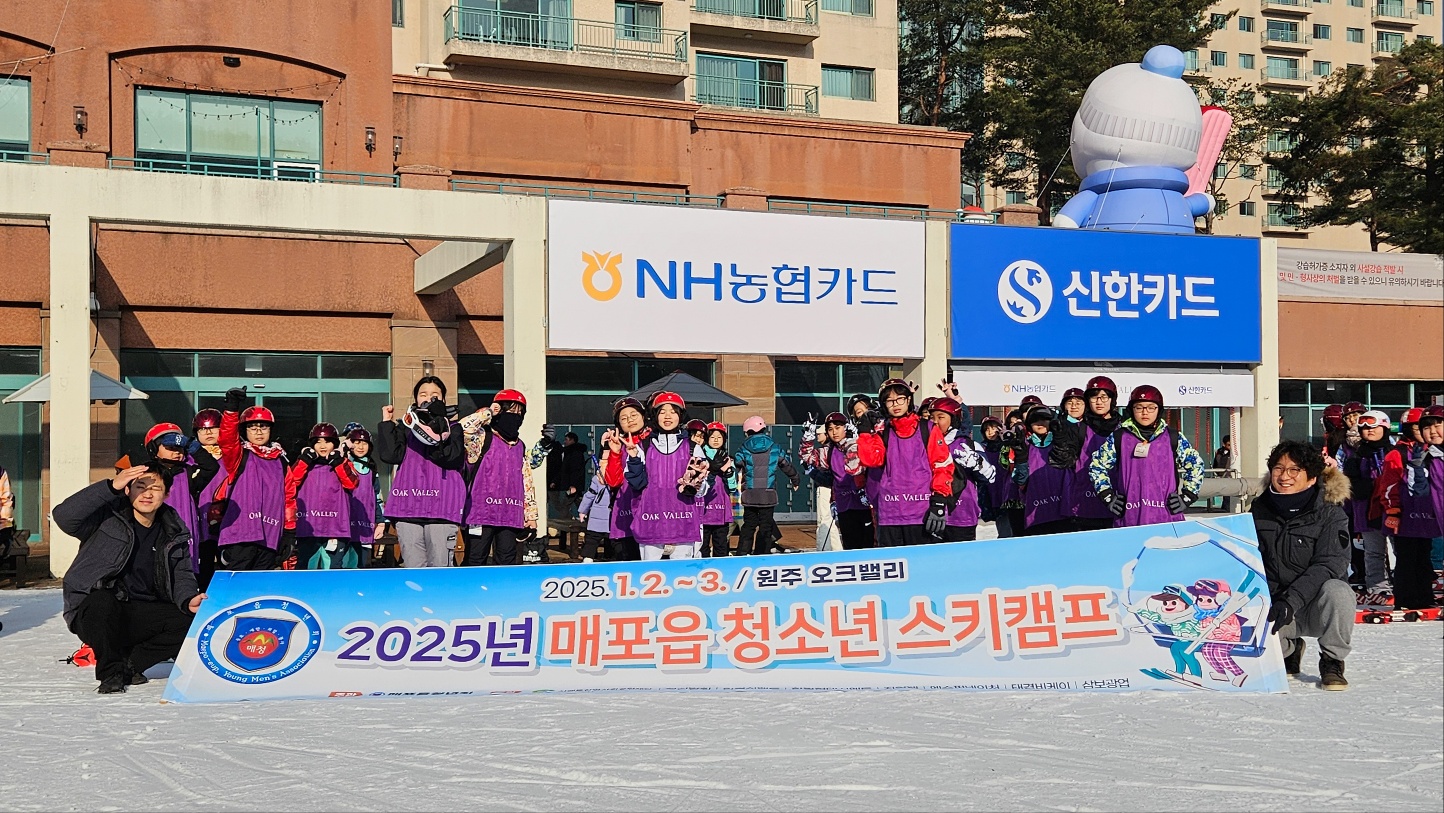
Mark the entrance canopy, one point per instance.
(102, 388)
(695, 391)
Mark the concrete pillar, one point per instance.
(927, 371)
(1259, 424)
(753, 378)
(424, 176)
(745, 198)
(414, 345)
(524, 354)
(105, 417)
(76, 153)
(69, 357)
(1018, 214)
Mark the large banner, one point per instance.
(1178, 606)
(1355, 275)
(1009, 387)
(624, 277)
(1081, 295)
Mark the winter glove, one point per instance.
(967, 457)
(436, 408)
(287, 548)
(334, 460)
(1115, 502)
(936, 521)
(1175, 503)
(235, 399)
(309, 456)
(1281, 614)
(549, 432)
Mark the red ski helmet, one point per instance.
(1432, 413)
(666, 397)
(717, 426)
(1073, 392)
(1030, 401)
(835, 417)
(257, 414)
(359, 435)
(1145, 392)
(207, 419)
(1354, 407)
(696, 425)
(165, 434)
(949, 406)
(991, 419)
(625, 403)
(927, 405)
(326, 431)
(510, 396)
(898, 384)
(1333, 417)
(1411, 416)
(1103, 383)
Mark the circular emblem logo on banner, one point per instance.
(1025, 292)
(607, 266)
(260, 641)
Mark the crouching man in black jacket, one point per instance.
(130, 593)
(1303, 535)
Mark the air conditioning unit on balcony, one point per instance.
(295, 171)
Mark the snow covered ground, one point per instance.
(1378, 746)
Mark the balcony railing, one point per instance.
(794, 11)
(812, 207)
(1392, 11)
(588, 193)
(1386, 47)
(24, 157)
(253, 168)
(1287, 5)
(1281, 37)
(755, 94)
(564, 34)
(1282, 75)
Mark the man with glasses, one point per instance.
(1304, 539)
(1145, 472)
(130, 593)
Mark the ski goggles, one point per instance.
(173, 440)
(1369, 420)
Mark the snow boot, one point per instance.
(112, 685)
(1294, 660)
(1331, 674)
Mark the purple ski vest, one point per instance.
(208, 496)
(966, 513)
(1002, 489)
(1424, 516)
(257, 504)
(1045, 492)
(1146, 482)
(1371, 466)
(661, 515)
(363, 508)
(624, 502)
(902, 487)
(716, 506)
(498, 495)
(1083, 501)
(423, 490)
(323, 507)
(179, 497)
(845, 493)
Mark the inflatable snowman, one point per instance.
(1135, 134)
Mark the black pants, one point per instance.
(1356, 562)
(594, 546)
(494, 546)
(1057, 526)
(209, 554)
(960, 533)
(856, 528)
(757, 524)
(248, 556)
(1087, 524)
(143, 633)
(1413, 573)
(897, 536)
(716, 541)
(625, 549)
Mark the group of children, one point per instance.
(1397, 498)
(889, 473)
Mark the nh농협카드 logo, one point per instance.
(606, 265)
(1025, 292)
(260, 641)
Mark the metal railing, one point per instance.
(793, 11)
(1288, 5)
(588, 193)
(1282, 74)
(754, 94)
(1279, 37)
(257, 169)
(24, 157)
(1387, 47)
(812, 207)
(564, 34)
(1392, 11)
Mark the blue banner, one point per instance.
(1179, 606)
(1079, 295)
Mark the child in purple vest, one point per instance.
(368, 522)
(501, 501)
(629, 428)
(832, 464)
(972, 469)
(666, 473)
(428, 492)
(1145, 472)
(716, 501)
(318, 504)
(909, 471)
(252, 501)
(168, 447)
(207, 444)
(1043, 487)
(1411, 493)
(1075, 446)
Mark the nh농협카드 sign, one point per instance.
(1179, 606)
(630, 277)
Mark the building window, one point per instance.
(862, 8)
(1283, 214)
(227, 135)
(1190, 60)
(1245, 61)
(1282, 31)
(1356, 3)
(1323, 32)
(1353, 35)
(1017, 196)
(1323, 68)
(1302, 402)
(1014, 161)
(1388, 42)
(398, 13)
(639, 21)
(816, 388)
(1424, 38)
(1278, 67)
(1425, 7)
(591, 384)
(1248, 171)
(1247, 208)
(1219, 59)
(14, 116)
(848, 83)
(1218, 21)
(759, 84)
(1279, 142)
(1245, 24)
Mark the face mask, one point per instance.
(507, 424)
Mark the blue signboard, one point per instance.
(1077, 295)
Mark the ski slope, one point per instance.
(1378, 746)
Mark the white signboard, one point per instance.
(638, 278)
(1355, 275)
(1009, 387)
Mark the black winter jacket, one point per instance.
(1301, 553)
(100, 519)
(390, 446)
